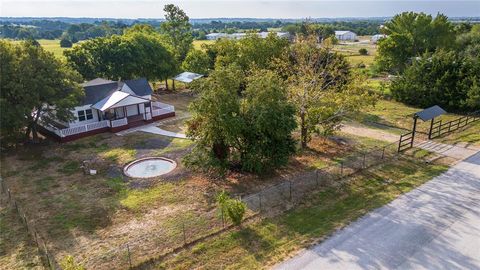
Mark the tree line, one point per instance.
(436, 61)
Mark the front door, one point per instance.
(132, 110)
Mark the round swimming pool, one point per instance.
(149, 167)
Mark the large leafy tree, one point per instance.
(197, 61)
(443, 78)
(411, 34)
(269, 122)
(251, 51)
(35, 86)
(322, 87)
(139, 52)
(216, 122)
(178, 31)
(251, 130)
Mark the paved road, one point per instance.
(436, 226)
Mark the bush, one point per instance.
(65, 43)
(234, 208)
(443, 78)
(363, 51)
(68, 263)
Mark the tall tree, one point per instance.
(35, 86)
(411, 34)
(139, 52)
(178, 30)
(251, 131)
(322, 87)
(197, 61)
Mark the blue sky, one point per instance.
(234, 8)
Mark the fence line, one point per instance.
(438, 128)
(47, 259)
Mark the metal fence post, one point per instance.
(383, 152)
(341, 168)
(184, 234)
(259, 200)
(290, 188)
(26, 223)
(129, 257)
(364, 156)
(46, 255)
(223, 217)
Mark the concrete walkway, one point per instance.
(159, 131)
(152, 128)
(453, 151)
(436, 226)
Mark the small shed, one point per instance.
(187, 77)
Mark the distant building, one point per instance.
(215, 36)
(377, 37)
(345, 35)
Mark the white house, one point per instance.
(110, 106)
(375, 38)
(345, 35)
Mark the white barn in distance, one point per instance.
(215, 36)
(345, 35)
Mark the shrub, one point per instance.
(65, 43)
(234, 208)
(68, 263)
(363, 51)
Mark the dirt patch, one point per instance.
(359, 130)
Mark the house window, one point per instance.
(85, 115)
(89, 114)
(81, 116)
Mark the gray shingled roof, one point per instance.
(98, 89)
(95, 93)
(141, 87)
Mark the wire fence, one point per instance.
(7, 197)
(187, 230)
(296, 186)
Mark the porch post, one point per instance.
(124, 112)
(415, 118)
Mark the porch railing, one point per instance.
(119, 122)
(78, 129)
(159, 108)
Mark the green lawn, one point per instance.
(259, 245)
(17, 250)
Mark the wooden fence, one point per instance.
(439, 129)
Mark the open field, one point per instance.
(350, 49)
(52, 46)
(197, 44)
